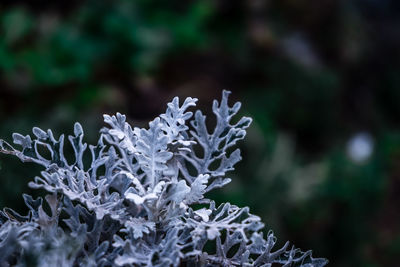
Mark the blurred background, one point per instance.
(321, 78)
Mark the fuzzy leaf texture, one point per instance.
(141, 198)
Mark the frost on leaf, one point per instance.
(152, 154)
(139, 200)
(137, 227)
(198, 189)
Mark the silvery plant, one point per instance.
(137, 197)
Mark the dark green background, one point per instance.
(312, 74)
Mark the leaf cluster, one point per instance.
(140, 199)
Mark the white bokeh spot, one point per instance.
(360, 147)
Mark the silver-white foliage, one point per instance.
(132, 203)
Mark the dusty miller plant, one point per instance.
(140, 199)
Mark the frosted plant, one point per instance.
(140, 199)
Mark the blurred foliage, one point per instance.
(312, 74)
